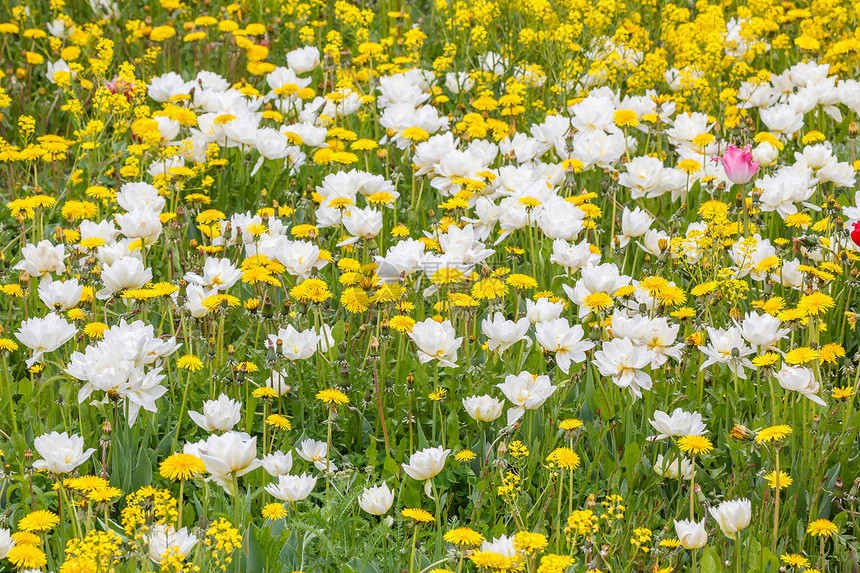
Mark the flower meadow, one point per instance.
(332, 286)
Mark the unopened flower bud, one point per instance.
(741, 432)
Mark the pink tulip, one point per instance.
(739, 165)
(117, 85)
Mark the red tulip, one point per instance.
(855, 233)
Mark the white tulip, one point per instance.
(60, 453)
(218, 415)
(483, 408)
(163, 539)
(732, 516)
(679, 423)
(426, 464)
(526, 392)
(228, 455)
(691, 534)
(673, 468)
(278, 463)
(313, 451)
(436, 341)
(6, 543)
(376, 500)
(292, 488)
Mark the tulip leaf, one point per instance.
(632, 454)
(710, 561)
(256, 555)
(361, 566)
(390, 467)
(142, 473)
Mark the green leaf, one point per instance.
(390, 467)
(453, 432)
(632, 454)
(142, 473)
(361, 566)
(710, 561)
(372, 453)
(256, 555)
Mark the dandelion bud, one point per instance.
(838, 489)
(410, 381)
(268, 311)
(374, 344)
(741, 432)
(28, 459)
(736, 353)
(344, 371)
(853, 128)
(503, 449)
(192, 244)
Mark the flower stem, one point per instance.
(236, 513)
(181, 501)
(692, 488)
(776, 493)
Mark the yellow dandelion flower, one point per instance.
(181, 467)
(695, 444)
(773, 433)
(564, 458)
(279, 422)
(332, 397)
(821, 528)
(25, 556)
(464, 536)
(273, 511)
(418, 515)
(521, 282)
(815, 304)
(780, 482)
(39, 521)
(189, 362)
